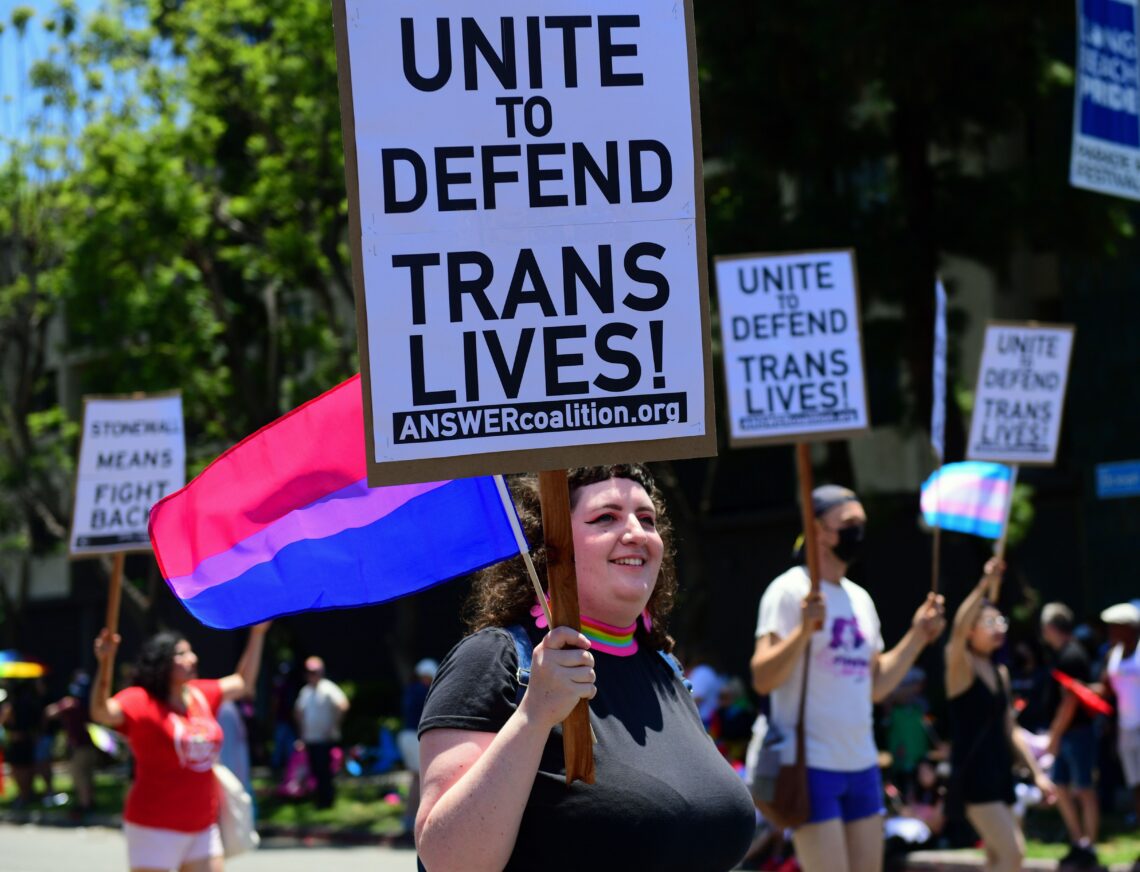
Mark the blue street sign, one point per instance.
(1118, 479)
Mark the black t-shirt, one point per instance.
(663, 797)
(1072, 660)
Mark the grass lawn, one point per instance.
(370, 805)
(367, 805)
(1119, 842)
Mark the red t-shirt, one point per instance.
(174, 786)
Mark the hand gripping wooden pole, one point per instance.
(562, 585)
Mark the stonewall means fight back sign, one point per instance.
(132, 453)
(793, 359)
(526, 216)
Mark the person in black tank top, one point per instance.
(982, 732)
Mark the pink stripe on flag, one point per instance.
(354, 506)
(240, 494)
(964, 491)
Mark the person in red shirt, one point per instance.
(168, 717)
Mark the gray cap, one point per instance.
(1121, 613)
(427, 668)
(828, 496)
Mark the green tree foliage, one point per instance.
(172, 215)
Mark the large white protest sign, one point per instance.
(132, 453)
(793, 358)
(1020, 393)
(1106, 109)
(526, 214)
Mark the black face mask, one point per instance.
(850, 545)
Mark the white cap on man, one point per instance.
(426, 668)
(1125, 614)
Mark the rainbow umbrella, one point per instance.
(15, 665)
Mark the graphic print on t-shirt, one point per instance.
(197, 741)
(848, 653)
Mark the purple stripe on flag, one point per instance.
(348, 508)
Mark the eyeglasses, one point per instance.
(998, 623)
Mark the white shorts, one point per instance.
(1128, 743)
(154, 848)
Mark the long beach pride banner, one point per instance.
(285, 522)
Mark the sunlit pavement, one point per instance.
(98, 849)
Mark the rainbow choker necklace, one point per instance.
(618, 641)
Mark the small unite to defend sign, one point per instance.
(792, 347)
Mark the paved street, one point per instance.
(96, 849)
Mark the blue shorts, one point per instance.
(1076, 758)
(849, 796)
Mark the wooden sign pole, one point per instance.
(115, 592)
(999, 548)
(935, 559)
(562, 585)
(807, 483)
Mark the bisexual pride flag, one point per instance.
(969, 497)
(285, 522)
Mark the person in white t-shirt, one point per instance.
(849, 672)
(321, 706)
(1122, 674)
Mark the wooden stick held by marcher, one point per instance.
(115, 592)
(807, 483)
(935, 559)
(554, 498)
(999, 547)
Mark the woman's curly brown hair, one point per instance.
(503, 594)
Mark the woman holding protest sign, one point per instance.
(494, 793)
(169, 719)
(849, 671)
(983, 728)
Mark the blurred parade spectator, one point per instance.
(907, 732)
(320, 708)
(22, 716)
(286, 685)
(73, 713)
(731, 723)
(1072, 740)
(1029, 681)
(412, 707)
(1122, 679)
(706, 682)
(235, 742)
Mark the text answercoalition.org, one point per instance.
(471, 422)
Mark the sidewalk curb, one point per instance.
(968, 861)
(331, 835)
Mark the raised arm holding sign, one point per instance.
(1019, 400)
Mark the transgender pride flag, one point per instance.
(969, 497)
(285, 522)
